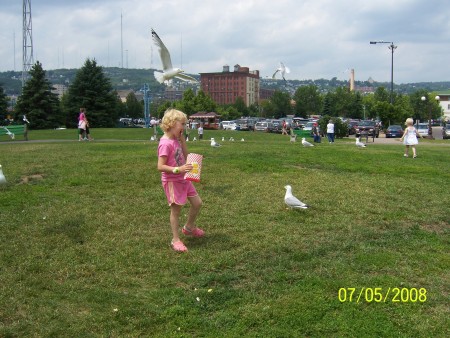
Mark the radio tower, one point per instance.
(27, 41)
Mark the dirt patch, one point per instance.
(31, 179)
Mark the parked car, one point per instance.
(422, 129)
(246, 123)
(227, 125)
(351, 127)
(394, 131)
(446, 131)
(277, 126)
(300, 122)
(264, 126)
(369, 128)
(308, 125)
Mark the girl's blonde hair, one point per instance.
(171, 116)
(409, 122)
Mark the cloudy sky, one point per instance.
(314, 38)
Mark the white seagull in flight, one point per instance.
(168, 71)
(283, 70)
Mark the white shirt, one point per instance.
(330, 128)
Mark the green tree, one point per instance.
(327, 104)
(267, 109)
(281, 103)
(37, 101)
(3, 105)
(382, 95)
(187, 104)
(308, 101)
(240, 106)
(422, 108)
(92, 90)
(204, 102)
(133, 107)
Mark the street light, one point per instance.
(430, 130)
(392, 47)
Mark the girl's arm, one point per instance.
(404, 133)
(417, 133)
(163, 167)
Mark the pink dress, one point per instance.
(177, 189)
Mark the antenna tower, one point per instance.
(27, 41)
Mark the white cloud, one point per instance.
(315, 38)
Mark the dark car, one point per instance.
(446, 131)
(264, 126)
(351, 127)
(367, 128)
(394, 131)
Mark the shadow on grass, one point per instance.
(71, 227)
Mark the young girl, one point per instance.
(172, 153)
(81, 125)
(409, 137)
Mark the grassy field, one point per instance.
(85, 240)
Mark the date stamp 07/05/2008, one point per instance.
(382, 295)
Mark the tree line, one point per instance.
(92, 90)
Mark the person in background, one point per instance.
(409, 137)
(82, 125)
(200, 132)
(87, 134)
(330, 131)
(315, 132)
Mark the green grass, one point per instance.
(85, 241)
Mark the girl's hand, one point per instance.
(186, 168)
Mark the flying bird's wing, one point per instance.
(185, 77)
(273, 76)
(163, 52)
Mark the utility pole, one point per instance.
(392, 47)
(27, 45)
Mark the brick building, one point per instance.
(225, 87)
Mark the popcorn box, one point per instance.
(196, 161)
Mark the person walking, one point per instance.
(315, 132)
(81, 125)
(172, 154)
(200, 132)
(87, 133)
(330, 131)
(284, 128)
(409, 137)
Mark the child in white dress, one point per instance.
(409, 137)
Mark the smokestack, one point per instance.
(352, 80)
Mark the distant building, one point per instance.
(265, 94)
(59, 89)
(172, 94)
(225, 87)
(444, 101)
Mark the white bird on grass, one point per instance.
(195, 139)
(232, 139)
(214, 143)
(306, 143)
(359, 144)
(292, 201)
(293, 138)
(168, 72)
(242, 140)
(223, 139)
(283, 70)
(2, 177)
